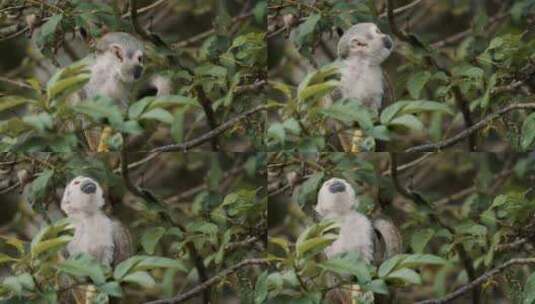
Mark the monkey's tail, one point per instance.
(389, 236)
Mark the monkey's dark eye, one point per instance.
(88, 187)
(140, 58)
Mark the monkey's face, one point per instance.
(336, 197)
(82, 195)
(131, 62)
(365, 40)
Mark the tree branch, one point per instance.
(478, 281)
(463, 255)
(209, 113)
(209, 135)
(467, 132)
(201, 287)
(461, 102)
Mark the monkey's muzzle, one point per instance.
(88, 187)
(337, 187)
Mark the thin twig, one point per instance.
(465, 133)
(209, 135)
(401, 9)
(478, 281)
(218, 277)
(417, 199)
(209, 114)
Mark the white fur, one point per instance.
(106, 80)
(93, 232)
(356, 230)
(363, 81)
(362, 50)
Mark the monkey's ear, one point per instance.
(117, 51)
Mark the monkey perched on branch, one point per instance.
(95, 234)
(361, 50)
(375, 240)
(116, 69)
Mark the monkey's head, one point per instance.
(127, 51)
(83, 195)
(365, 40)
(336, 197)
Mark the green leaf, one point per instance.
(418, 106)
(305, 191)
(528, 132)
(349, 112)
(142, 262)
(13, 241)
(420, 238)
(405, 275)
(158, 114)
(277, 132)
(50, 245)
(13, 284)
(261, 288)
(376, 286)
(416, 260)
(314, 245)
(389, 265)
(40, 184)
(136, 109)
(141, 278)
(4, 258)
(67, 86)
(26, 280)
(528, 294)
(390, 112)
(48, 28)
(407, 121)
(82, 265)
(318, 90)
(416, 83)
(172, 100)
(112, 288)
(9, 102)
(150, 238)
(41, 121)
(304, 33)
(350, 263)
(99, 108)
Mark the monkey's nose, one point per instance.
(88, 187)
(387, 42)
(137, 71)
(337, 187)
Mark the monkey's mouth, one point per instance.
(88, 187)
(337, 187)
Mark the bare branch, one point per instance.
(218, 277)
(477, 282)
(467, 132)
(209, 135)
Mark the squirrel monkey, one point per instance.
(95, 234)
(361, 50)
(116, 67)
(375, 240)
